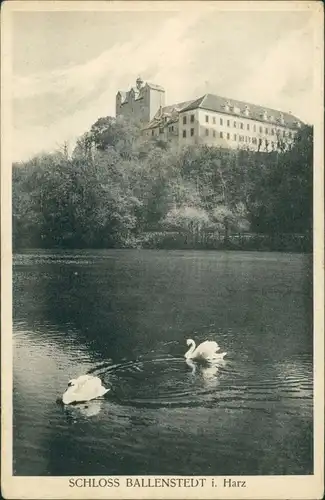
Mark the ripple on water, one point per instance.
(170, 382)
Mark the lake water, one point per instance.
(125, 315)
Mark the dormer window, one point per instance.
(264, 115)
(281, 119)
(227, 106)
(236, 110)
(271, 118)
(298, 124)
(246, 111)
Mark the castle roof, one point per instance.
(123, 95)
(213, 102)
(176, 107)
(155, 87)
(167, 111)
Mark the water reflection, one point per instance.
(125, 317)
(90, 409)
(208, 372)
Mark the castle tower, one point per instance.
(141, 102)
(139, 82)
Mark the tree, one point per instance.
(281, 201)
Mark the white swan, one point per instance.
(83, 388)
(207, 351)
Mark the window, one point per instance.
(235, 124)
(254, 128)
(261, 130)
(192, 118)
(254, 140)
(192, 131)
(247, 126)
(173, 128)
(228, 123)
(235, 137)
(184, 122)
(266, 131)
(228, 136)
(184, 132)
(214, 120)
(221, 135)
(152, 132)
(241, 125)
(206, 131)
(221, 121)
(214, 133)
(272, 131)
(206, 118)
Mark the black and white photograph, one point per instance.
(164, 175)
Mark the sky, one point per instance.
(68, 66)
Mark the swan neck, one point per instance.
(191, 349)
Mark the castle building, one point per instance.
(210, 119)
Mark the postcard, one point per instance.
(162, 222)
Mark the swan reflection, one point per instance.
(208, 373)
(89, 409)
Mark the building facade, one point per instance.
(210, 119)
